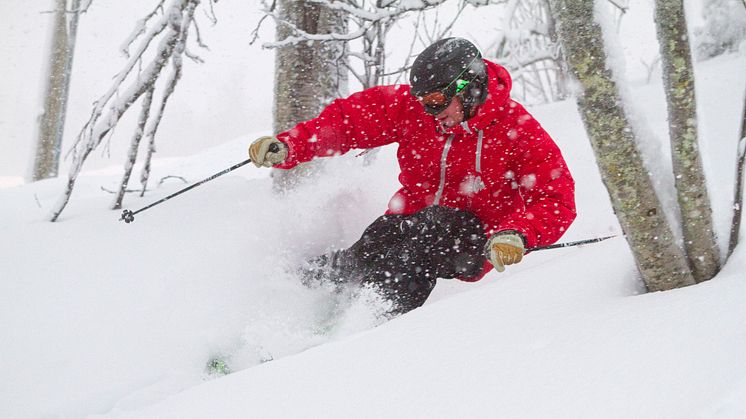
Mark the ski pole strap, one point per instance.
(129, 216)
(569, 244)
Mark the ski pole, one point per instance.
(568, 244)
(129, 216)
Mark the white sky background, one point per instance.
(234, 84)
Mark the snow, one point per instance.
(519, 347)
(105, 319)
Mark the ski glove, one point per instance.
(267, 151)
(505, 248)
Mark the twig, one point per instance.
(107, 190)
(212, 16)
(305, 36)
(160, 182)
(140, 27)
(199, 35)
(267, 12)
(621, 8)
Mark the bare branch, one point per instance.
(405, 67)
(147, 101)
(163, 179)
(97, 127)
(366, 58)
(107, 190)
(138, 88)
(199, 35)
(449, 26)
(255, 32)
(380, 13)
(211, 15)
(360, 77)
(367, 19)
(85, 6)
(139, 29)
(623, 8)
(194, 57)
(650, 67)
(174, 78)
(267, 11)
(305, 36)
(122, 75)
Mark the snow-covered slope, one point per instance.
(534, 344)
(102, 318)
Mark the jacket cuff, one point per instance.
(511, 231)
(291, 160)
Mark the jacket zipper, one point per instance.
(443, 159)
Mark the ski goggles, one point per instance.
(437, 101)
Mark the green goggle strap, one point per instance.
(461, 83)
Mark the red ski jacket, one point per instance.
(501, 165)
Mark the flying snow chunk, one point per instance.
(528, 181)
(397, 203)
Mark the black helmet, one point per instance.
(452, 66)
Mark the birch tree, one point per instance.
(691, 186)
(51, 123)
(162, 35)
(661, 262)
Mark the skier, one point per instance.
(481, 181)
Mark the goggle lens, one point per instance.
(436, 98)
(435, 102)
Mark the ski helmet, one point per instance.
(453, 67)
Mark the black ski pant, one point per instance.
(403, 255)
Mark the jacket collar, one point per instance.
(499, 84)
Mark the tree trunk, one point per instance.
(735, 225)
(691, 186)
(52, 121)
(661, 262)
(308, 75)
